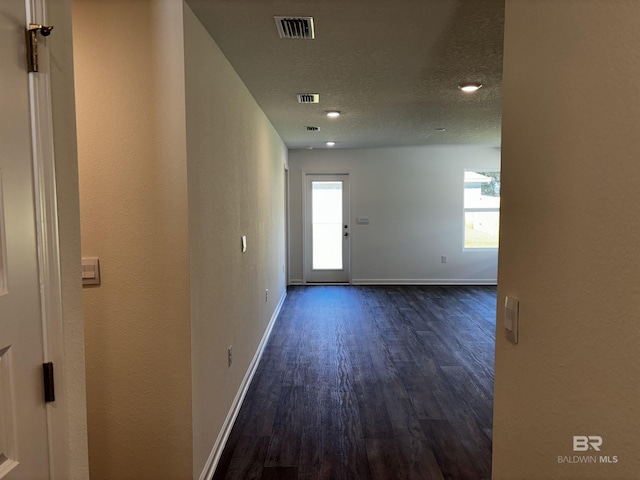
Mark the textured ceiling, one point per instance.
(391, 67)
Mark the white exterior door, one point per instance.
(23, 418)
(327, 236)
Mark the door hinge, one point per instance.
(32, 44)
(49, 385)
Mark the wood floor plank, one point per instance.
(386, 459)
(284, 445)
(371, 382)
(280, 473)
(453, 456)
(248, 459)
(374, 415)
(421, 463)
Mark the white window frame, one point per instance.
(466, 210)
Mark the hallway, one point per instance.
(371, 383)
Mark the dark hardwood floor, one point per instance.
(358, 383)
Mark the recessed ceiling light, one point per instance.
(330, 144)
(470, 87)
(333, 114)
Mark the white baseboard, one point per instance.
(407, 281)
(214, 457)
(424, 281)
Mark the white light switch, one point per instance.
(511, 318)
(90, 271)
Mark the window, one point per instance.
(481, 209)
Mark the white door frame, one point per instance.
(287, 227)
(48, 246)
(306, 222)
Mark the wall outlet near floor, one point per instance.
(443, 259)
(230, 355)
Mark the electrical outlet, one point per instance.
(230, 354)
(266, 295)
(443, 259)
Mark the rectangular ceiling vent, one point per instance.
(312, 129)
(295, 27)
(308, 98)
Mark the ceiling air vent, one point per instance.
(295, 27)
(312, 129)
(308, 98)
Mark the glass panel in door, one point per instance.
(327, 229)
(326, 224)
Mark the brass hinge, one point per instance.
(49, 385)
(32, 44)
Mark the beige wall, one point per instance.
(74, 453)
(132, 162)
(569, 240)
(236, 187)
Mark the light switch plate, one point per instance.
(244, 243)
(90, 271)
(511, 318)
